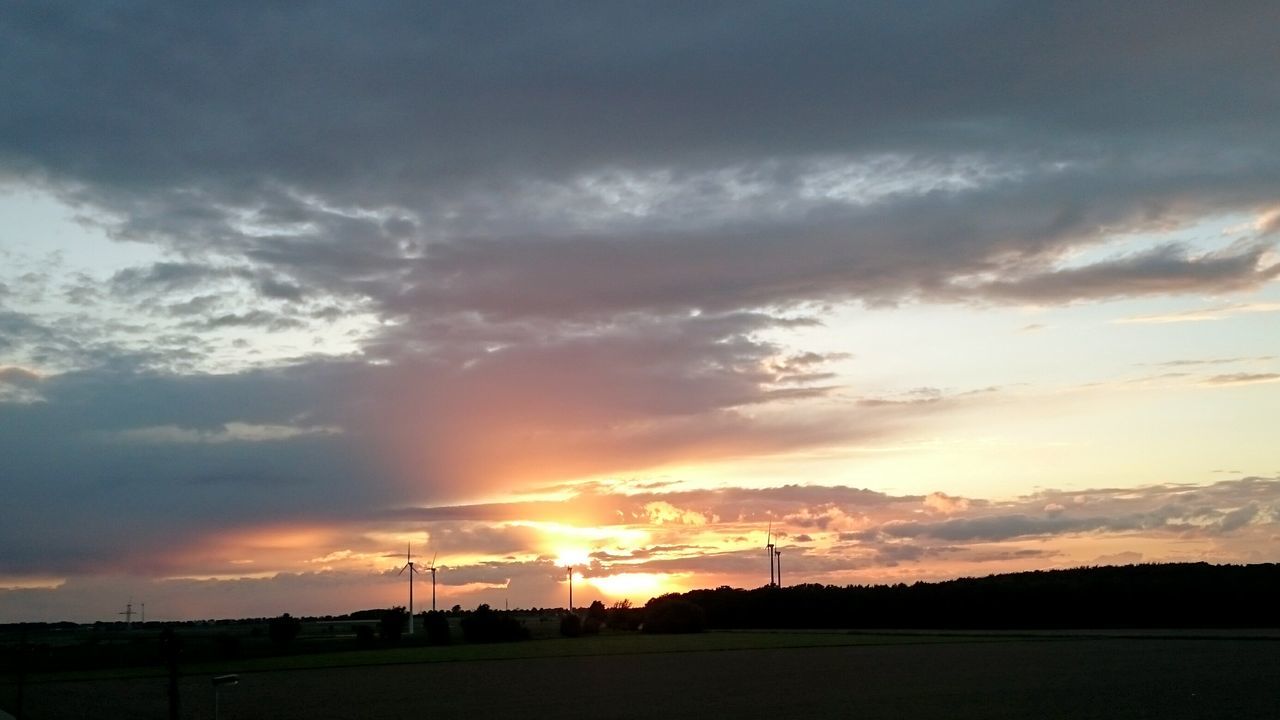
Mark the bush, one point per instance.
(672, 614)
(623, 617)
(437, 627)
(485, 625)
(282, 630)
(391, 624)
(570, 625)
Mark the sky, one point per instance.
(918, 291)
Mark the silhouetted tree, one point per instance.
(621, 616)
(1153, 595)
(674, 614)
(391, 624)
(485, 625)
(364, 636)
(283, 630)
(437, 627)
(570, 625)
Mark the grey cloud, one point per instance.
(165, 276)
(429, 427)
(1000, 527)
(18, 376)
(403, 153)
(1219, 507)
(1242, 378)
(754, 78)
(1212, 361)
(1165, 270)
(252, 318)
(1238, 518)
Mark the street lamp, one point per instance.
(218, 682)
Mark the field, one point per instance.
(735, 674)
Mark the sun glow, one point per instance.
(567, 557)
(636, 587)
(573, 545)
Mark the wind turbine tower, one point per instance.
(128, 615)
(768, 547)
(433, 582)
(777, 556)
(409, 565)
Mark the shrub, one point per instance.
(282, 630)
(391, 624)
(674, 615)
(485, 625)
(570, 625)
(437, 627)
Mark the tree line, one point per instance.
(1177, 595)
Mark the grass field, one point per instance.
(750, 674)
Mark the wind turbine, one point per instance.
(768, 547)
(128, 615)
(777, 554)
(432, 568)
(409, 565)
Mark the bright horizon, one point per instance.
(931, 292)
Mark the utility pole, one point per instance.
(570, 569)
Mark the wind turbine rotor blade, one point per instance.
(433, 559)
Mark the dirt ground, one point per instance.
(1016, 678)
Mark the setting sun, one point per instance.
(572, 556)
(636, 587)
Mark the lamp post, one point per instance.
(218, 682)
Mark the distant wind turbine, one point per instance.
(432, 568)
(777, 555)
(408, 565)
(128, 614)
(768, 548)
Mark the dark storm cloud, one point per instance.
(307, 96)
(1021, 130)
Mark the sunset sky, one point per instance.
(931, 289)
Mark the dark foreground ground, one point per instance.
(1011, 678)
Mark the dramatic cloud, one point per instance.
(275, 276)
(625, 542)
